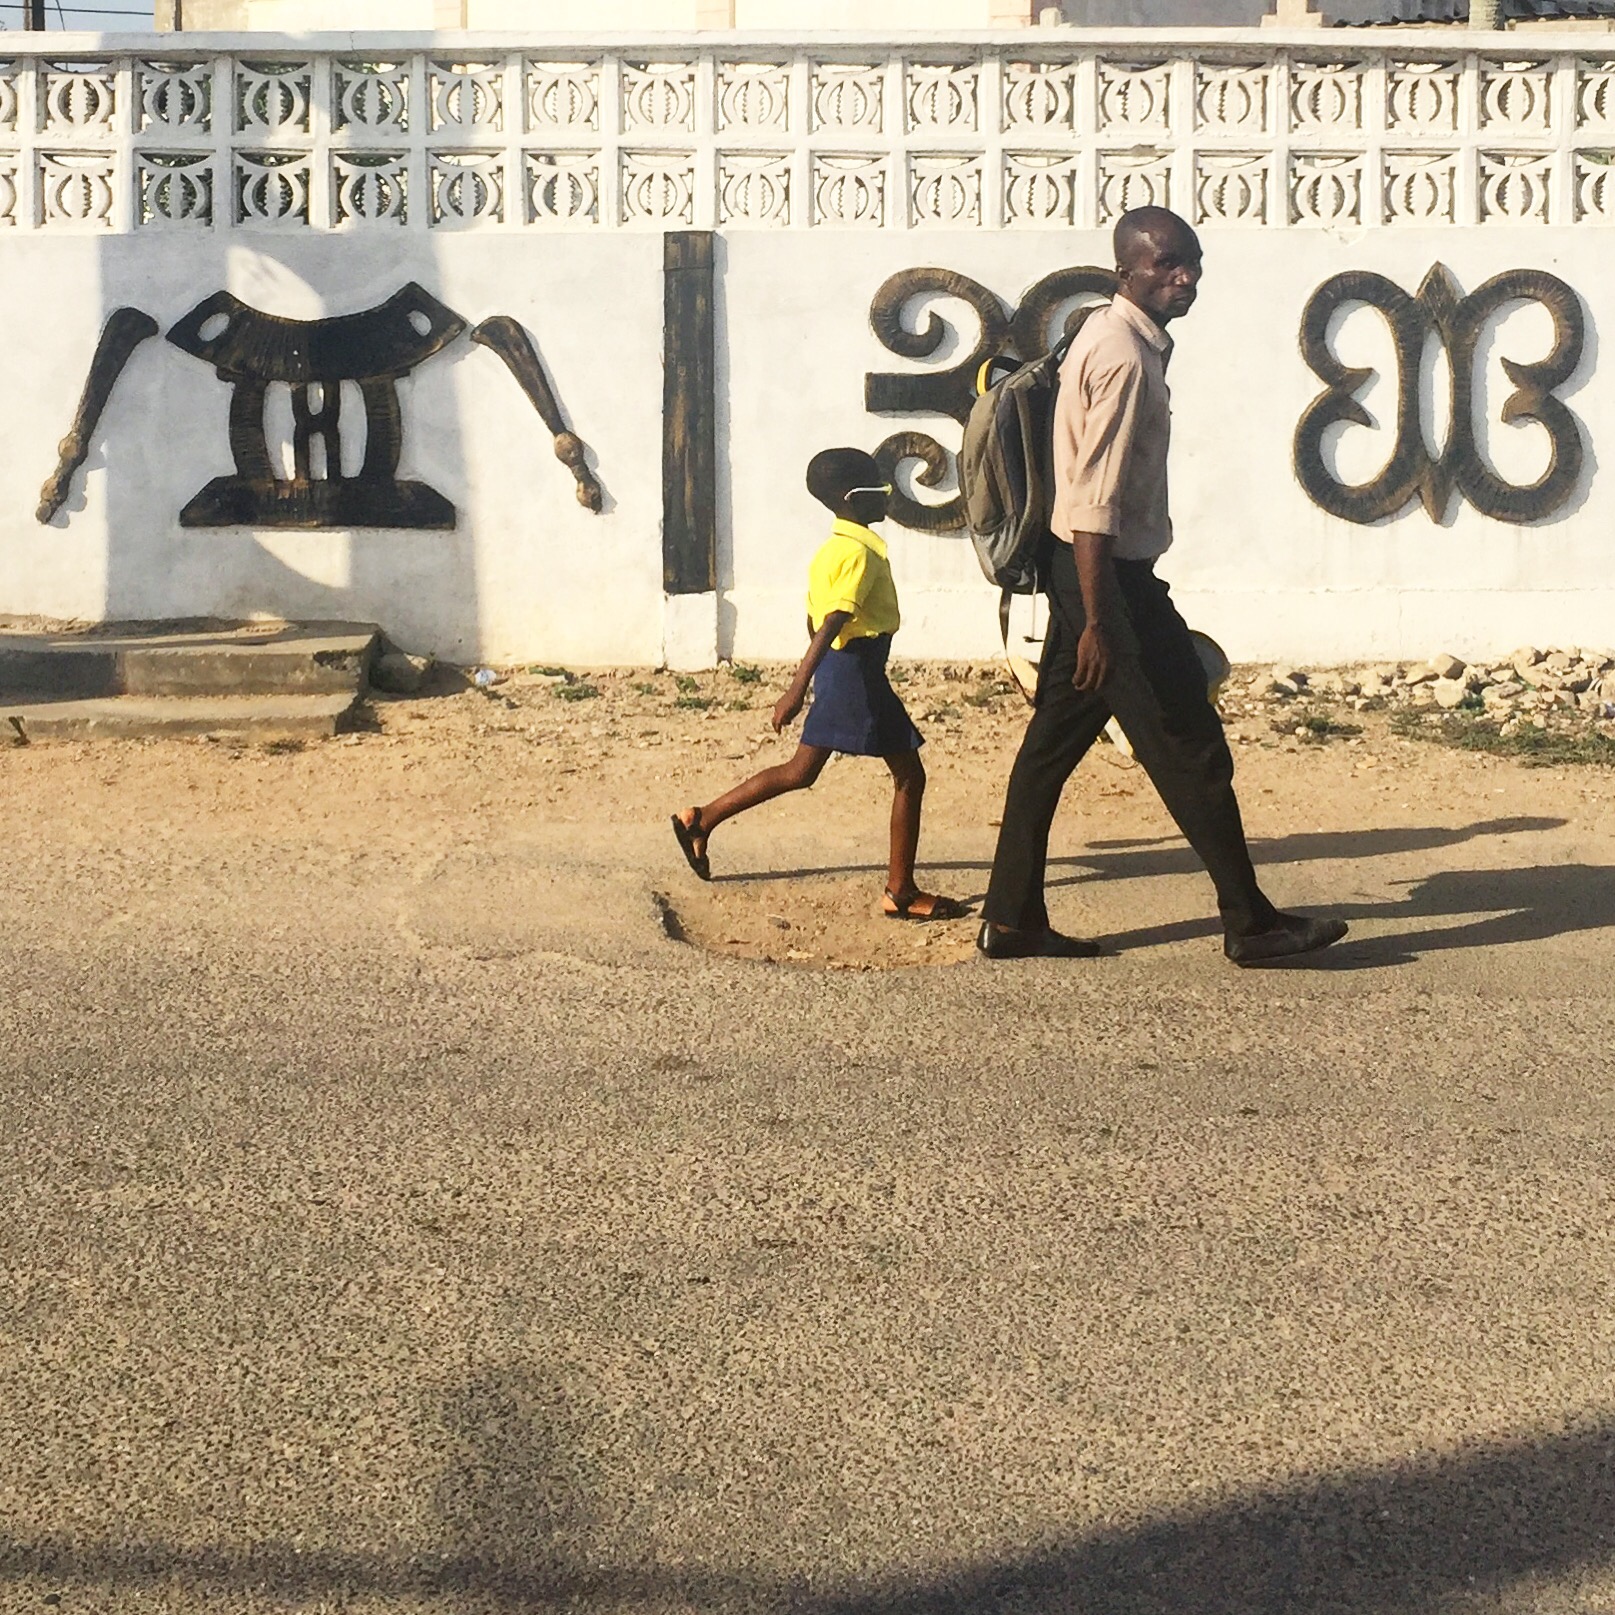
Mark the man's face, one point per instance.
(1163, 274)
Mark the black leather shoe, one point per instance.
(1289, 935)
(1044, 944)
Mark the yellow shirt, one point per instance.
(851, 573)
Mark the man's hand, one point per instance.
(787, 707)
(1095, 658)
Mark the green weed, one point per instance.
(1530, 744)
(575, 692)
(742, 674)
(986, 694)
(1315, 725)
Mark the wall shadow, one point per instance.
(1480, 1527)
(1454, 1532)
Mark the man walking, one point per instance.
(1116, 644)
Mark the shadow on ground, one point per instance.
(1489, 1528)
(1170, 855)
(1478, 907)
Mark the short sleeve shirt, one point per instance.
(851, 573)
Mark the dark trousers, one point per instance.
(1157, 692)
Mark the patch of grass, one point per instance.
(1530, 744)
(686, 685)
(549, 672)
(647, 689)
(742, 674)
(1315, 725)
(575, 692)
(986, 694)
(897, 674)
(740, 704)
(695, 703)
(943, 714)
(286, 744)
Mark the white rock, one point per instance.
(1449, 693)
(1501, 695)
(1447, 666)
(1558, 661)
(1423, 675)
(1284, 688)
(1526, 656)
(1289, 675)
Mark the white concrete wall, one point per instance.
(527, 573)
(1486, 166)
(530, 574)
(1255, 563)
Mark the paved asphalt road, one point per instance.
(437, 1235)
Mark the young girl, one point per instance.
(852, 615)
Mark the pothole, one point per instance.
(816, 924)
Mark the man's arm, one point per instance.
(1094, 436)
(1096, 652)
(789, 704)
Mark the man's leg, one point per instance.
(1065, 724)
(1161, 703)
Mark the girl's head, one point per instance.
(849, 483)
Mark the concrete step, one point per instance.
(256, 718)
(325, 658)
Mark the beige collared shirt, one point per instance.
(1112, 426)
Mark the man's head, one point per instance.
(1157, 262)
(848, 482)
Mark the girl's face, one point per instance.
(867, 505)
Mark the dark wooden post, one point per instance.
(689, 415)
(34, 15)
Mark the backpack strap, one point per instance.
(1005, 596)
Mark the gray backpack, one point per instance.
(1006, 470)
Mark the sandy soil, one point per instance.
(592, 765)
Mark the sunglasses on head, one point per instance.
(885, 488)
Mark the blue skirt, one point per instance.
(855, 709)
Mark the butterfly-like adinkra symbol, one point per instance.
(1413, 472)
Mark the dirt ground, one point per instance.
(600, 760)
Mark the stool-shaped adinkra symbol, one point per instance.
(1412, 472)
(250, 349)
(373, 349)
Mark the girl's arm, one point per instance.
(790, 703)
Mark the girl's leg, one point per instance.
(795, 775)
(904, 900)
(908, 793)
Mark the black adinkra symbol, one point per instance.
(1413, 471)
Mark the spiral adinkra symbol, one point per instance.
(1412, 471)
(950, 391)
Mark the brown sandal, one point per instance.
(902, 908)
(686, 834)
